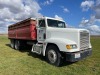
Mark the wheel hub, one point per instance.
(52, 56)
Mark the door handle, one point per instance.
(44, 36)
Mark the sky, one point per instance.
(76, 13)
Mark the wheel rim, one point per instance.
(52, 56)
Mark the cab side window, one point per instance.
(41, 23)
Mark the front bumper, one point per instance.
(72, 57)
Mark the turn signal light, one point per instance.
(68, 46)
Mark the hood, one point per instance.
(67, 29)
(71, 34)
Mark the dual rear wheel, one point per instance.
(15, 44)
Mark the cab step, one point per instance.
(37, 48)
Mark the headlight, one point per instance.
(73, 46)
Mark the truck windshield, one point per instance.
(56, 23)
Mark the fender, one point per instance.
(60, 42)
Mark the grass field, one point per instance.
(13, 62)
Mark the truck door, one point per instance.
(41, 30)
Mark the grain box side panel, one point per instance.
(12, 33)
(25, 30)
(23, 33)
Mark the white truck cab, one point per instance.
(57, 42)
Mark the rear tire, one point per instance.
(17, 45)
(12, 43)
(53, 56)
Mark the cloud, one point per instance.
(97, 2)
(97, 9)
(93, 5)
(90, 25)
(48, 2)
(58, 17)
(92, 19)
(86, 5)
(12, 11)
(19, 9)
(13, 5)
(95, 29)
(64, 9)
(51, 0)
(84, 22)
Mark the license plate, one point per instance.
(77, 55)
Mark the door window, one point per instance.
(41, 23)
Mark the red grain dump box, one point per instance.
(25, 30)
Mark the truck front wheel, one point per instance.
(53, 56)
(17, 45)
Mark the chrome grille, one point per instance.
(84, 40)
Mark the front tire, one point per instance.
(53, 55)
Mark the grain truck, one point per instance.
(51, 38)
